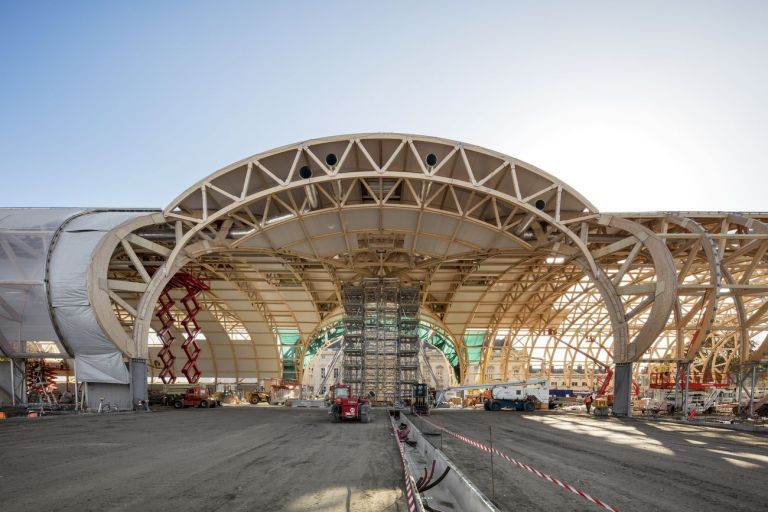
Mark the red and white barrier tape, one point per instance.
(528, 468)
(409, 494)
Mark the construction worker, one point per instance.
(588, 402)
(38, 375)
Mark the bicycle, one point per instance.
(106, 407)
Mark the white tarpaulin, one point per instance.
(25, 238)
(96, 357)
(27, 259)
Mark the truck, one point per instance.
(345, 407)
(196, 396)
(521, 396)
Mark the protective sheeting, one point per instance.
(96, 357)
(108, 368)
(55, 244)
(25, 239)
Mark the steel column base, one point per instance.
(139, 394)
(622, 390)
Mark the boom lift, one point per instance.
(520, 396)
(321, 388)
(608, 376)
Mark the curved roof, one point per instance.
(519, 273)
(386, 152)
(513, 263)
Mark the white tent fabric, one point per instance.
(96, 357)
(25, 239)
(25, 310)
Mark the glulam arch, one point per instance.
(290, 225)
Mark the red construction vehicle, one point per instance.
(344, 406)
(196, 396)
(605, 379)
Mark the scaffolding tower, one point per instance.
(381, 340)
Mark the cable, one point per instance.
(436, 481)
(422, 480)
(427, 477)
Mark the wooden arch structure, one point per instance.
(513, 263)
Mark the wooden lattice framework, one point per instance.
(511, 260)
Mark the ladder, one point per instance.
(335, 359)
(47, 400)
(711, 399)
(427, 363)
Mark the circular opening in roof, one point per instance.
(431, 160)
(540, 204)
(305, 172)
(331, 159)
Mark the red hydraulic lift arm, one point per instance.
(608, 370)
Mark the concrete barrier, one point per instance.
(456, 491)
(308, 403)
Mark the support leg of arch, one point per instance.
(622, 390)
(139, 393)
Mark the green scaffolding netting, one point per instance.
(330, 334)
(473, 343)
(289, 344)
(428, 332)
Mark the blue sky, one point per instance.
(640, 106)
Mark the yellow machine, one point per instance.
(601, 406)
(255, 397)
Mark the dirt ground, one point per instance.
(276, 459)
(631, 465)
(228, 459)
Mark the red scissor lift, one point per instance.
(697, 381)
(692, 381)
(193, 286)
(41, 377)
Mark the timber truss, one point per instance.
(515, 267)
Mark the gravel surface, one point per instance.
(630, 464)
(257, 458)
